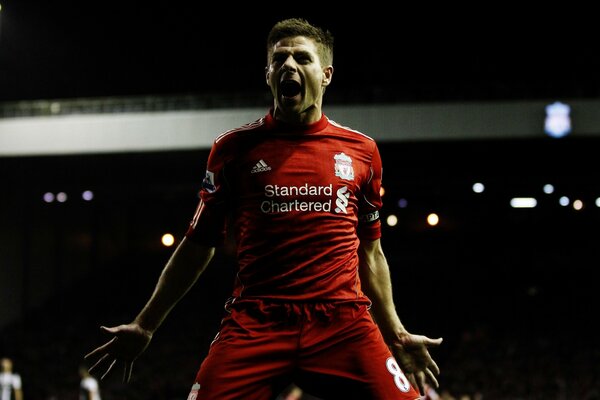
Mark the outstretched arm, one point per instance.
(182, 270)
(411, 351)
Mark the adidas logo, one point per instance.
(260, 166)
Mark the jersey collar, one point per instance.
(273, 124)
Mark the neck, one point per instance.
(305, 117)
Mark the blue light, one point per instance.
(558, 119)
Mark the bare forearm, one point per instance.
(181, 272)
(377, 285)
(409, 350)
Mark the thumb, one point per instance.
(112, 330)
(436, 342)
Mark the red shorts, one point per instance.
(332, 351)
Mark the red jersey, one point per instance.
(298, 199)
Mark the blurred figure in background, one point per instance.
(291, 393)
(430, 393)
(88, 386)
(10, 382)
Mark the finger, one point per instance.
(434, 366)
(112, 330)
(109, 368)
(127, 372)
(432, 342)
(432, 378)
(420, 378)
(413, 382)
(98, 362)
(100, 349)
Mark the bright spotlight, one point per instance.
(548, 188)
(433, 219)
(167, 240)
(478, 187)
(523, 202)
(48, 197)
(61, 197)
(564, 201)
(87, 195)
(392, 220)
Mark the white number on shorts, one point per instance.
(399, 377)
(194, 393)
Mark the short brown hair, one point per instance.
(300, 27)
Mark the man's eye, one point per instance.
(303, 59)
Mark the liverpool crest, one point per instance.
(343, 167)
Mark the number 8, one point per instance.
(399, 377)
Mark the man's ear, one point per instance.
(327, 75)
(267, 73)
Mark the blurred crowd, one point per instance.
(501, 360)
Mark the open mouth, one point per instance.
(290, 88)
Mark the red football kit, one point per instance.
(298, 201)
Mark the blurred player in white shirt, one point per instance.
(88, 387)
(10, 382)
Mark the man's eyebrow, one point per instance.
(295, 52)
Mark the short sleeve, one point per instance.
(16, 381)
(208, 223)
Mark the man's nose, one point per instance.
(289, 64)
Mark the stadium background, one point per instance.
(512, 291)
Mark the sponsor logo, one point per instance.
(303, 190)
(370, 217)
(270, 205)
(342, 200)
(209, 182)
(260, 166)
(304, 198)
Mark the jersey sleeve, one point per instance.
(369, 224)
(208, 223)
(17, 381)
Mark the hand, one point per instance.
(128, 343)
(412, 354)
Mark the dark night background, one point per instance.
(413, 52)
(511, 291)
